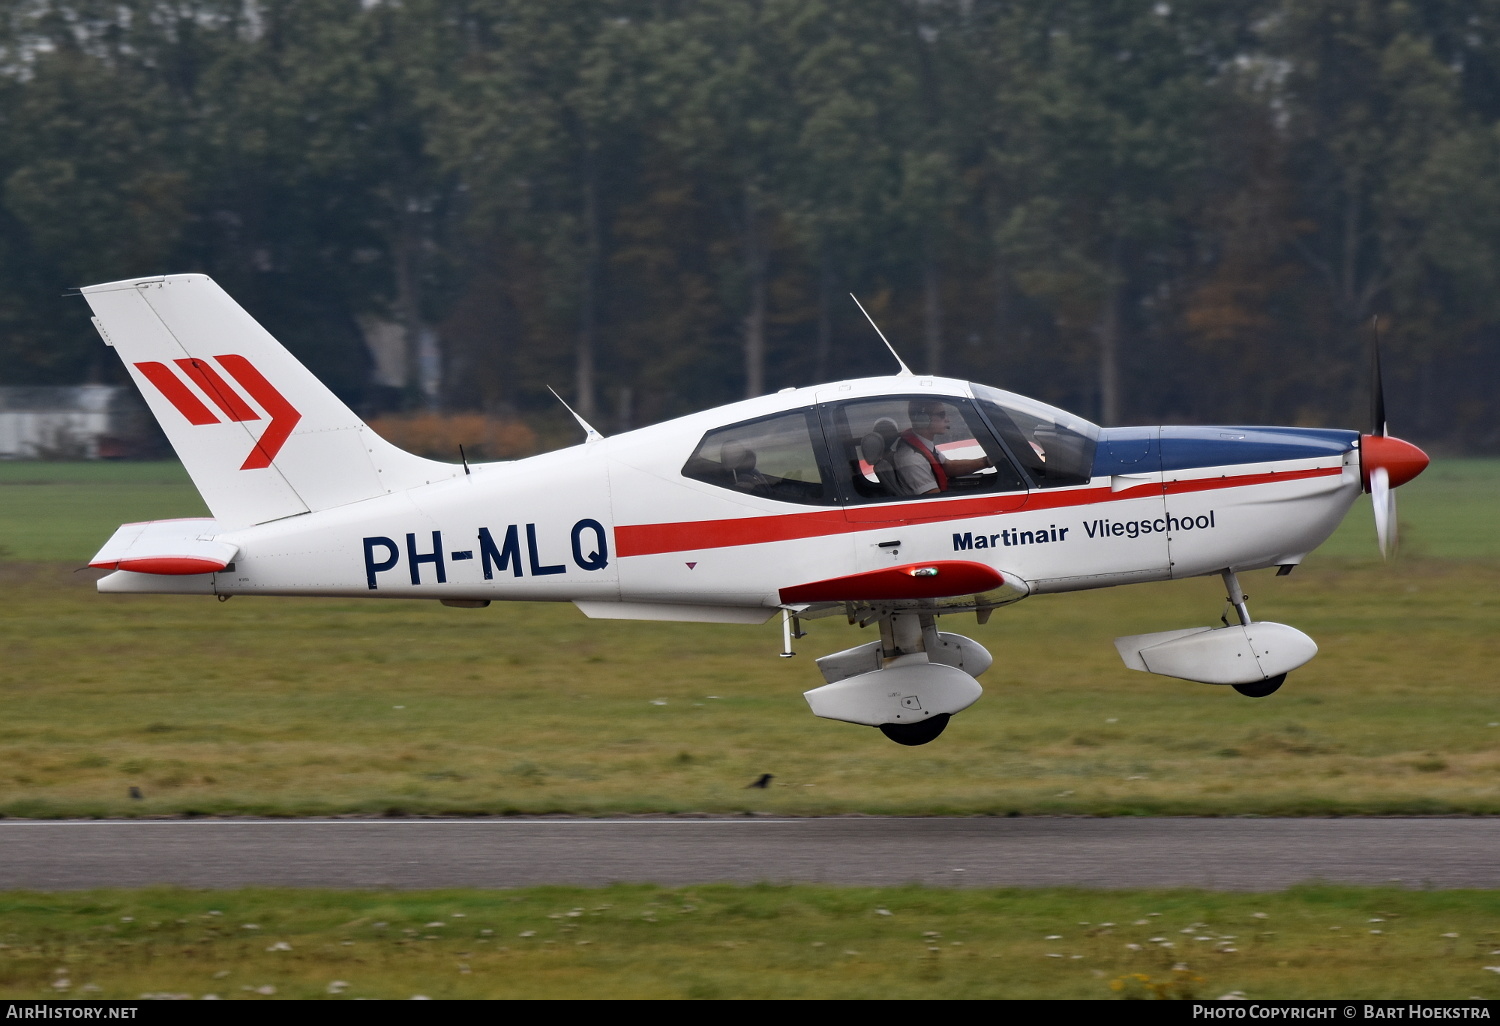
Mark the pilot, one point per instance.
(920, 468)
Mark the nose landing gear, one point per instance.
(1238, 599)
(1251, 656)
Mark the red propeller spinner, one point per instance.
(1400, 460)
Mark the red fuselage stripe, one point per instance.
(653, 539)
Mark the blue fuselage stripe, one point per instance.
(1142, 450)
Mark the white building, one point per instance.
(65, 422)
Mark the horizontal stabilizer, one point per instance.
(124, 582)
(168, 547)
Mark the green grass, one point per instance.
(750, 942)
(66, 511)
(282, 706)
(314, 706)
(1447, 513)
(288, 707)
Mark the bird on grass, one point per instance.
(763, 781)
(135, 792)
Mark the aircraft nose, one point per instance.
(1401, 460)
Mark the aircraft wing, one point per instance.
(937, 579)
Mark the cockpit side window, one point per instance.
(1055, 447)
(775, 458)
(899, 447)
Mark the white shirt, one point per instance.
(914, 474)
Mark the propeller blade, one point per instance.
(1377, 387)
(1384, 462)
(1384, 498)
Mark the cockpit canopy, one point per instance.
(895, 447)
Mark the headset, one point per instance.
(921, 411)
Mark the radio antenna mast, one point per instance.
(590, 434)
(905, 370)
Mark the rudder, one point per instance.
(261, 437)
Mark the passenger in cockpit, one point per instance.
(920, 469)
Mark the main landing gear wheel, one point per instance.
(1262, 688)
(913, 734)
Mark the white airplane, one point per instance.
(890, 501)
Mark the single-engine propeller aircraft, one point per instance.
(889, 500)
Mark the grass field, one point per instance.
(64, 511)
(750, 942)
(1451, 512)
(287, 706)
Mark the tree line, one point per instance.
(1182, 210)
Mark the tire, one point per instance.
(913, 734)
(1261, 689)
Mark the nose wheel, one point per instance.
(1261, 689)
(914, 734)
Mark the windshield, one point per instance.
(1055, 447)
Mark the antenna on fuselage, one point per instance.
(905, 370)
(592, 435)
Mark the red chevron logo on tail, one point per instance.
(284, 416)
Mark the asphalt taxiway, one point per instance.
(1228, 854)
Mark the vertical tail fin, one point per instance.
(260, 436)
